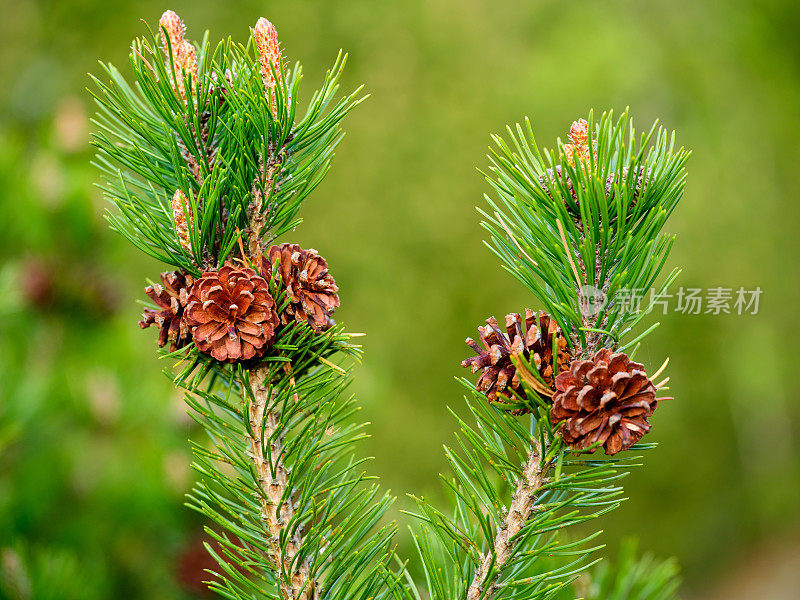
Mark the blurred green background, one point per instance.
(93, 440)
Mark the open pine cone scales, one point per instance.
(231, 314)
(499, 380)
(606, 399)
(171, 296)
(311, 289)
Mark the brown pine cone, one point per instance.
(500, 380)
(606, 399)
(231, 314)
(171, 297)
(311, 289)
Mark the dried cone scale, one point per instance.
(606, 399)
(311, 289)
(499, 380)
(171, 297)
(231, 314)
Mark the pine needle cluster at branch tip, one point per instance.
(582, 138)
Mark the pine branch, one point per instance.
(204, 156)
(265, 425)
(491, 548)
(603, 216)
(585, 219)
(522, 504)
(233, 147)
(302, 517)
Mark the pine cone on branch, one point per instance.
(499, 380)
(171, 296)
(231, 314)
(606, 399)
(311, 288)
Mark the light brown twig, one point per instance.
(277, 506)
(522, 506)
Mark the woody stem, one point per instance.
(257, 212)
(523, 503)
(589, 318)
(277, 506)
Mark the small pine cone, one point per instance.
(579, 148)
(186, 62)
(184, 56)
(499, 380)
(171, 297)
(231, 314)
(606, 399)
(311, 289)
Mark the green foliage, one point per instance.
(634, 578)
(618, 243)
(45, 574)
(490, 460)
(518, 488)
(280, 423)
(337, 508)
(145, 133)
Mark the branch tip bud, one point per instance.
(183, 220)
(579, 148)
(175, 30)
(269, 52)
